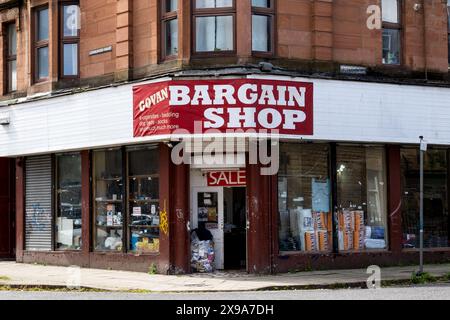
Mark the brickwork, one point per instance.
(330, 31)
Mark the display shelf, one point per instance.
(109, 227)
(145, 176)
(144, 200)
(144, 227)
(109, 179)
(108, 201)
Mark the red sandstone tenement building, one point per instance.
(93, 92)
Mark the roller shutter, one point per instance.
(38, 203)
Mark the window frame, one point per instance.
(394, 26)
(56, 200)
(212, 12)
(37, 45)
(165, 17)
(7, 58)
(125, 201)
(63, 40)
(267, 12)
(448, 31)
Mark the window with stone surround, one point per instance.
(263, 12)
(69, 32)
(169, 28)
(448, 29)
(10, 57)
(391, 16)
(214, 26)
(41, 43)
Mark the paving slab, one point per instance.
(15, 274)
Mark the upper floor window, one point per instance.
(69, 39)
(41, 44)
(391, 15)
(214, 25)
(448, 28)
(169, 27)
(262, 26)
(11, 57)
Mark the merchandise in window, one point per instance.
(304, 198)
(143, 199)
(214, 26)
(108, 188)
(68, 216)
(436, 221)
(361, 196)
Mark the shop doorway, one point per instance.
(222, 211)
(7, 209)
(235, 231)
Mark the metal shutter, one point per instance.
(38, 203)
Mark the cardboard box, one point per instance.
(358, 218)
(311, 243)
(358, 240)
(346, 240)
(323, 241)
(320, 220)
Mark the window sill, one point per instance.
(317, 253)
(429, 250)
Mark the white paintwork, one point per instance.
(343, 111)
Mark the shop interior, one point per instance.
(235, 232)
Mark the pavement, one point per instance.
(27, 275)
(421, 293)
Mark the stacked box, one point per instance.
(359, 232)
(311, 243)
(346, 221)
(323, 240)
(359, 240)
(348, 240)
(320, 220)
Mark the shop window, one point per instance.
(361, 198)
(143, 190)
(41, 44)
(127, 223)
(436, 222)
(304, 198)
(169, 27)
(391, 16)
(108, 186)
(68, 212)
(11, 57)
(214, 25)
(69, 39)
(262, 26)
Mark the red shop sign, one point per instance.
(227, 179)
(218, 106)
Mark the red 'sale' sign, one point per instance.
(222, 106)
(227, 179)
